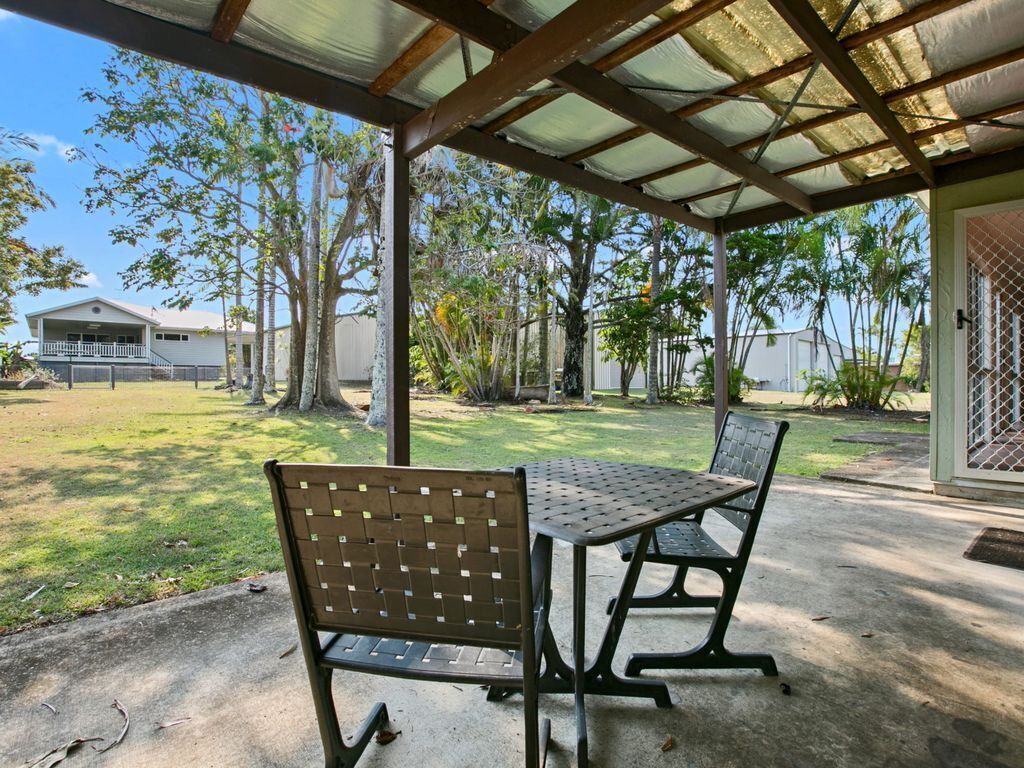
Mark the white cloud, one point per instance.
(91, 281)
(48, 143)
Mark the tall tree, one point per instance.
(578, 225)
(25, 268)
(193, 133)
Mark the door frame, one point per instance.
(960, 468)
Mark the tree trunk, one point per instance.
(256, 395)
(308, 390)
(575, 345)
(544, 373)
(270, 365)
(227, 349)
(239, 343)
(552, 334)
(654, 344)
(290, 399)
(926, 355)
(328, 390)
(625, 377)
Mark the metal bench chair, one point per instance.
(413, 573)
(748, 448)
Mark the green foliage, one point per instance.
(848, 385)
(704, 372)
(13, 362)
(25, 268)
(865, 272)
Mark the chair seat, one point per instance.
(424, 660)
(681, 539)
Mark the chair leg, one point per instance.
(538, 732)
(673, 596)
(711, 653)
(338, 754)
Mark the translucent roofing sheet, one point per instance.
(356, 40)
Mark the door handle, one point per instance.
(962, 319)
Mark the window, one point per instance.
(127, 340)
(172, 337)
(96, 310)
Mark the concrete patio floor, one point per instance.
(920, 663)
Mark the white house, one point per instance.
(109, 332)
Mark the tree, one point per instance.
(868, 266)
(26, 268)
(578, 224)
(473, 257)
(762, 282)
(213, 156)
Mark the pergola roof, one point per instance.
(724, 113)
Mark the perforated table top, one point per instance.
(589, 502)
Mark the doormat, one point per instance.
(998, 546)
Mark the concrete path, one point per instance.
(920, 662)
(903, 465)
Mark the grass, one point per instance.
(112, 498)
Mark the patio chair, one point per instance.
(412, 573)
(748, 448)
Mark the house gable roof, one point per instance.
(183, 319)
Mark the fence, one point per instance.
(111, 376)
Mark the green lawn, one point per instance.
(116, 497)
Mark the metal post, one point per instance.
(196, 375)
(396, 296)
(721, 308)
(71, 375)
(112, 377)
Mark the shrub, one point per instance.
(704, 388)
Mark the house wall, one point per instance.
(198, 350)
(58, 330)
(944, 203)
(354, 337)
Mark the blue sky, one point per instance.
(44, 102)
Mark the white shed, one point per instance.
(353, 340)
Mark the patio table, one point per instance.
(589, 503)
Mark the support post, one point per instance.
(71, 375)
(721, 308)
(196, 375)
(396, 295)
(112, 377)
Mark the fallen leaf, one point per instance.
(386, 737)
(786, 689)
(124, 731)
(172, 723)
(71, 584)
(32, 594)
(821, 618)
(49, 707)
(867, 634)
(57, 754)
(668, 744)
(118, 577)
(255, 586)
(288, 651)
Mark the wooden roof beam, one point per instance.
(497, 33)
(819, 121)
(631, 49)
(425, 46)
(925, 10)
(562, 40)
(850, 154)
(809, 27)
(229, 16)
(952, 169)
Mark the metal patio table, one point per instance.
(589, 503)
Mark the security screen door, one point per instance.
(990, 312)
